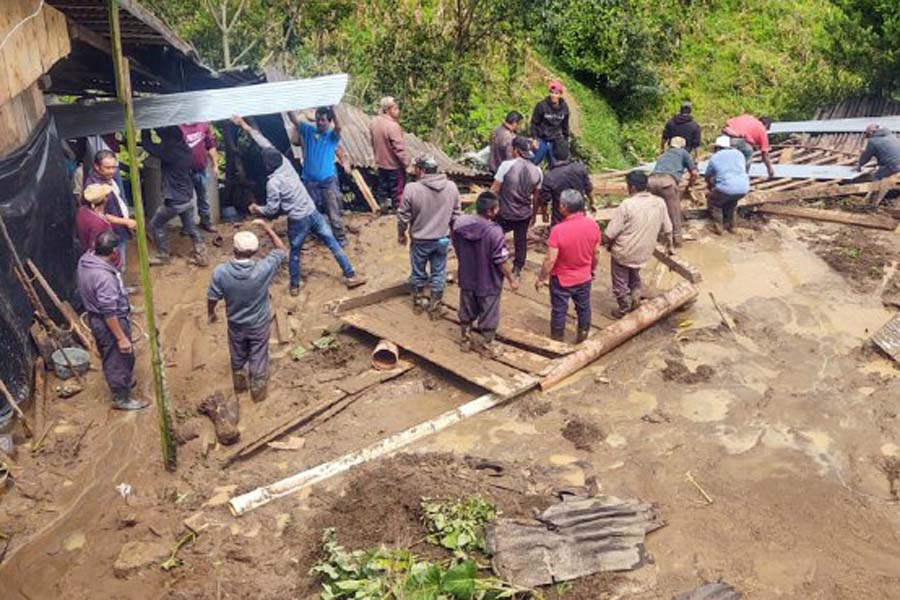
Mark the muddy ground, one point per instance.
(789, 423)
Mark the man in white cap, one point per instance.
(726, 175)
(665, 181)
(243, 282)
(390, 154)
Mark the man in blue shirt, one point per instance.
(320, 143)
(726, 175)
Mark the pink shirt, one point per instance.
(751, 129)
(576, 238)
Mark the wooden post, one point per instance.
(123, 89)
(65, 309)
(834, 216)
(616, 334)
(365, 191)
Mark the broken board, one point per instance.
(437, 342)
(888, 338)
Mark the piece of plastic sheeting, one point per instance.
(854, 125)
(37, 207)
(77, 120)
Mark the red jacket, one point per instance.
(387, 142)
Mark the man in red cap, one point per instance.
(550, 123)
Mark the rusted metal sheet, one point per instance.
(357, 143)
(888, 338)
(570, 540)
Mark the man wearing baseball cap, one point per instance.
(427, 209)
(550, 123)
(885, 147)
(243, 282)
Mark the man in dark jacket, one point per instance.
(682, 125)
(244, 285)
(483, 263)
(516, 183)
(177, 192)
(566, 174)
(427, 209)
(885, 147)
(106, 303)
(501, 140)
(550, 123)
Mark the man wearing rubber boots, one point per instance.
(427, 209)
(106, 303)
(243, 283)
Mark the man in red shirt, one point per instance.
(572, 251)
(747, 134)
(200, 138)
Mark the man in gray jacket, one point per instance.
(285, 194)
(885, 147)
(428, 208)
(243, 283)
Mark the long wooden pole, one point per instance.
(123, 88)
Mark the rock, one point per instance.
(138, 555)
(126, 517)
(223, 411)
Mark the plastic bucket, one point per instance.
(79, 359)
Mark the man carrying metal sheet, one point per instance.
(747, 134)
(243, 283)
(177, 192)
(885, 147)
(428, 208)
(390, 154)
(320, 144)
(728, 183)
(285, 194)
(106, 303)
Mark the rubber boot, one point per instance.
(122, 400)
(678, 241)
(417, 301)
(582, 335)
(435, 308)
(159, 260)
(465, 343)
(239, 379)
(259, 389)
(635, 299)
(716, 222)
(729, 223)
(558, 334)
(200, 258)
(223, 412)
(624, 307)
(205, 225)
(491, 346)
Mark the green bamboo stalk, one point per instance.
(123, 89)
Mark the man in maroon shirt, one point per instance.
(570, 265)
(200, 138)
(91, 219)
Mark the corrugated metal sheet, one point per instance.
(853, 125)
(711, 591)
(888, 338)
(357, 144)
(854, 107)
(790, 171)
(73, 120)
(575, 539)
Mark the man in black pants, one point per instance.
(517, 183)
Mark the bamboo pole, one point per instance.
(123, 89)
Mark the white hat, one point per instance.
(96, 193)
(723, 141)
(677, 142)
(246, 242)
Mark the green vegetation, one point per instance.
(458, 526)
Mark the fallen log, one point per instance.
(834, 216)
(616, 334)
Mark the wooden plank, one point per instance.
(831, 191)
(522, 360)
(888, 338)
(364, 189)
(347, 304)
(834, 216)
(407, 332)
(678, 264)
(366, 379)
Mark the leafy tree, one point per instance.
(865, 37)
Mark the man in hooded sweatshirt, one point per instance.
(177, 191)
(684, 126)
(285, 194)
(483, 264)
(106, 304)
(427, 209)
(243, 283)
(550, 123)
(517, 183)
(885, 147)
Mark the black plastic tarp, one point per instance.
(36, 204)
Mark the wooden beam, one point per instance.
(678, 264)
(832, 191)
(834, 216)
(365, 190)
(347, 304)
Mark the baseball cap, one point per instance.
(557, 86)
(96, 193)
(246, 242)
(678, 142)
(426, 162)
(723, 141)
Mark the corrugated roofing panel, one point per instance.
(854, 125)
(790, 171)
(75, 120)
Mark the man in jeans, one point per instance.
(390, 154)
(106, 303)
(631, 237)
(428, 208)
(243, 283)
(320, 143)
(665, 181)
(483, 263)
(747, 134)
(550, 123)
(285, 194)
(570, 264)
(177, 193)
(885, 147)
(728, 183)
(517, 183)
(202, 141)
(565, 174)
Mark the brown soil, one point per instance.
(677, 371)
(583, 434)
(854, 252)
(533, 406)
